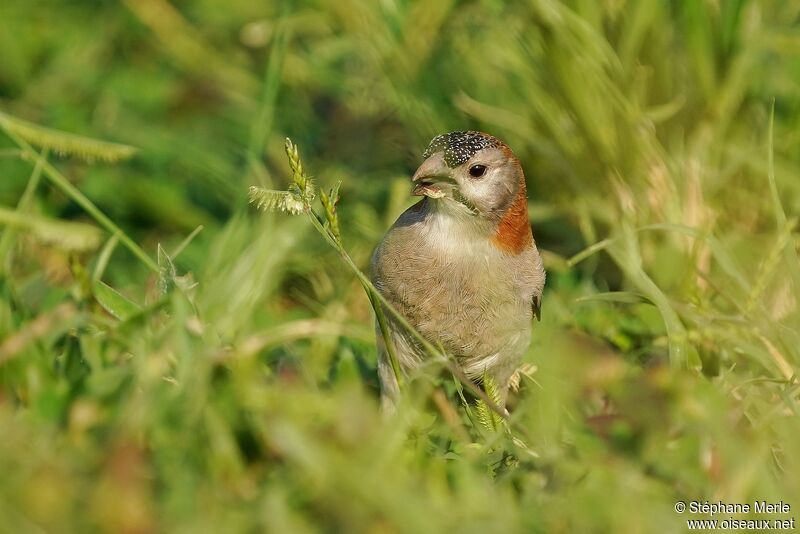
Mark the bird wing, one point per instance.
(536, 306)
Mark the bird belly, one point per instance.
(456, 296)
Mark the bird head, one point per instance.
(470, 168)
(476, 173)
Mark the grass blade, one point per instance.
(113, 301)
(64, 143)
(61, 182)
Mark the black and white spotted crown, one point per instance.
(458, 147)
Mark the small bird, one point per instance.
(461, 264)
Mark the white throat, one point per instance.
(455, 227)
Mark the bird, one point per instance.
(461, 265)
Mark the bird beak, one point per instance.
(430, 176)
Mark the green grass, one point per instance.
(158, 377)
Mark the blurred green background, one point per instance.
(235, 388)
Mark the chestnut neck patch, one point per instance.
(514, 231)
(458, 147)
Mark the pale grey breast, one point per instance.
(451, 285)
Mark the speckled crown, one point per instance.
(458, 147)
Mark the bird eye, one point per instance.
(476, 171)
